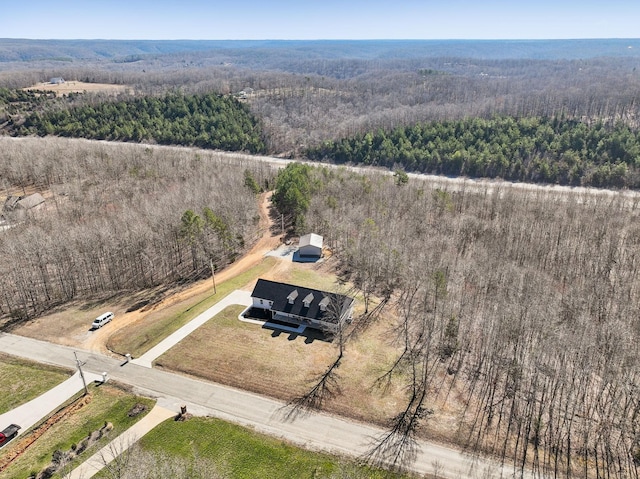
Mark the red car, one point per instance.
(8, 433)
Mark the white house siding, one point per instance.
(262, 303)
(305, 321)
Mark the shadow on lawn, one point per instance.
(309, 334)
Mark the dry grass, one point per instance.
(253, 358)
(71, 325)
(79, 87)
(246, 354)
(137, 337)
(284, 365)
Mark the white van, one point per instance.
(101, 320)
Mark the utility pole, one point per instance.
(80, 364)
(213, 275)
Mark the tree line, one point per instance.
(208, 121)
(294, 187)
(514, 313)
(529, 149)
(15, 103)
(304, 102)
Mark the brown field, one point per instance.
(247, 356)
(80, 87)
(284, 365)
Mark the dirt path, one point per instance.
(267, 242)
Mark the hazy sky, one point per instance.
(319, 19)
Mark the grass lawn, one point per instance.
(108, 403)
(141, 336)
(312, 278)
(24, 380)
(284, 365)
(245, 353)
(240, 453)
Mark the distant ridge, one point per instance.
(25, 50)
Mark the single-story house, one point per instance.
(23, 202)
(30, 201)
(310, 246)
(297, 305)
(56, 80)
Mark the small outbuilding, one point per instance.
(25, 202)
(30, 201)
(56, 81)
(310, 246)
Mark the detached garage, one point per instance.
(310, 246)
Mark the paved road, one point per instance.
(313, 430)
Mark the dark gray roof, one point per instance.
(280, 292)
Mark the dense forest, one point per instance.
(306, 94)
(514, 310)
(207, 121)
(534, 150)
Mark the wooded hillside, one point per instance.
(117, 218)
(208, 121)
(532, 150)
(308, 93)
(515, 310)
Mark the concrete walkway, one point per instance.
(108, 453)
(32, 412)
(242, 298)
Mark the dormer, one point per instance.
(307, 300)
(324, 303)
(292, 296)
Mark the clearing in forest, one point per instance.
(67, 87)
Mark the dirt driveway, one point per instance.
(71, 326)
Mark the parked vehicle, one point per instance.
(8, 433)
(102, 320)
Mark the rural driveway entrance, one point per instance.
(242, 298)
(312, 430)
